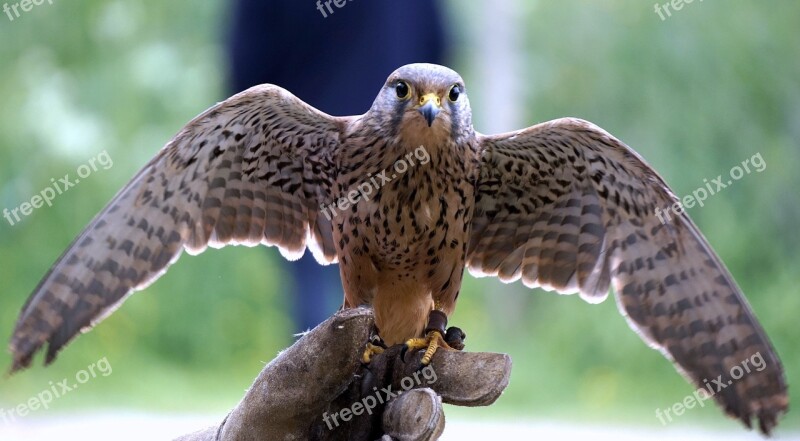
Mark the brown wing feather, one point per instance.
(566, 206)
(250, 170)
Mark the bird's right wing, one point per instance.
(251, 170)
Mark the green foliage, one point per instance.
(695, 94)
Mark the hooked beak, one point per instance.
(429, 107)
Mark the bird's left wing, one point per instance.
(566, 206)
(251, 170)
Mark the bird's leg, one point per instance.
(375, 346)
(434, 337)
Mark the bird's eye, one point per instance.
(455, 91)
(402, 89)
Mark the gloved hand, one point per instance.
(318, 389)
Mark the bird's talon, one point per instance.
(370, 351)
(432, 341)
(416, 343)
(378, 341)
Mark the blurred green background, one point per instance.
(695, 94)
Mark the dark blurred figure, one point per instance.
(336, 59)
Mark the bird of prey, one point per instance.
(404, 198)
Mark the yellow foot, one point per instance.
(432, 341)
(370, 351)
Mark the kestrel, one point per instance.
(562, 205)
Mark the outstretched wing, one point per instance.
(250, 170)
(567, 207)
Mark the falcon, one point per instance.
(561, 205)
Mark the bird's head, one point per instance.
(424, 102)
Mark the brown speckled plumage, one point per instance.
(562, 205)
